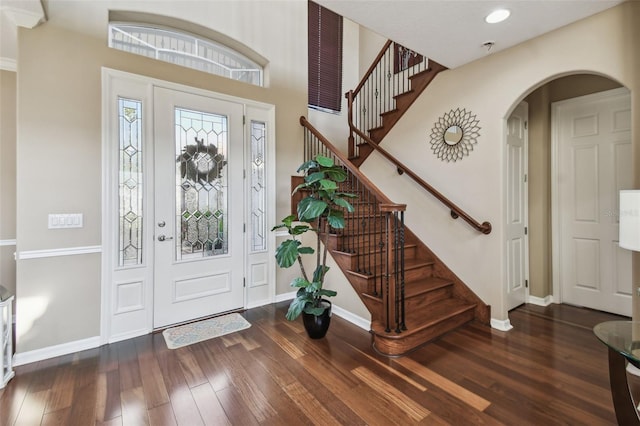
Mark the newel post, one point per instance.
(351, 146)
(393, 283)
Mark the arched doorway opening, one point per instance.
(547, 256)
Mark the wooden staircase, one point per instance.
(436, 301)
(413, 297)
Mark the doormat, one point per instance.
(184, 335)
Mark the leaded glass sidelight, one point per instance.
(258, 190)
(130, 188)
(201, 184)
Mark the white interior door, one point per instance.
(517, 208)
(199, 212)
(594, 161)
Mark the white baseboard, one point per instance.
(95, 342)
(128, 335)
(285, 296)
(540, 301)
(502, 325)
(57, 350)
(363, 323)
(258, 303)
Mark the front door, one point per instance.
(198, 207)
(594, 162)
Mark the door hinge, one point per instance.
(526, 230)
(244, 120)
(244, 174)
(244, 282)
(526, 125)
(526, 283)
(525, 178)
(244, 227)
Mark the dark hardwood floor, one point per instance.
(549, 370)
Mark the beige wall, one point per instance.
(59, 157)
(540, 273)
(7, 178)
(604, 44)
(59, 140)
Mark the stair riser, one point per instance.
(377, 261)
(422, 301)
(404, 101)
(373, 306)
(416, 274)
(396, 345)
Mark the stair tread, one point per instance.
(368, 252)
(419, 287)
(409, 265)
(417, 321)
(425, 285)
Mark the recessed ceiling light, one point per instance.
(497, 16)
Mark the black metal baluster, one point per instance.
(402, 282)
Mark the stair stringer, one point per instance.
(482, 312)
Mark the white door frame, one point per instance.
(555, 202)
(119, 322)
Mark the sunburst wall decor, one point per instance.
(454, 135)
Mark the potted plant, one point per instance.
(321, 210)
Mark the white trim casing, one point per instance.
(120, 324)
(4, 243)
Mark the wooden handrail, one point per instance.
(484, 227)
(372, 67)
(380, 196)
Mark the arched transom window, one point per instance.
(187, 50)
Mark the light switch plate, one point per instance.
(65, 220)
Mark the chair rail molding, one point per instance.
(71, 251)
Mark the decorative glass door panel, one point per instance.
(201, 184)
(258, 190)
(130, 188)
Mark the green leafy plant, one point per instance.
(319, 211)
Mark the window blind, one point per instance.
(325, 58)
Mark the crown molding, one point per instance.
(26, 13)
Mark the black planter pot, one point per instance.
(317, 325)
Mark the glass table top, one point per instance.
(621, 336)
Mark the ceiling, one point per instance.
(451, 32)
